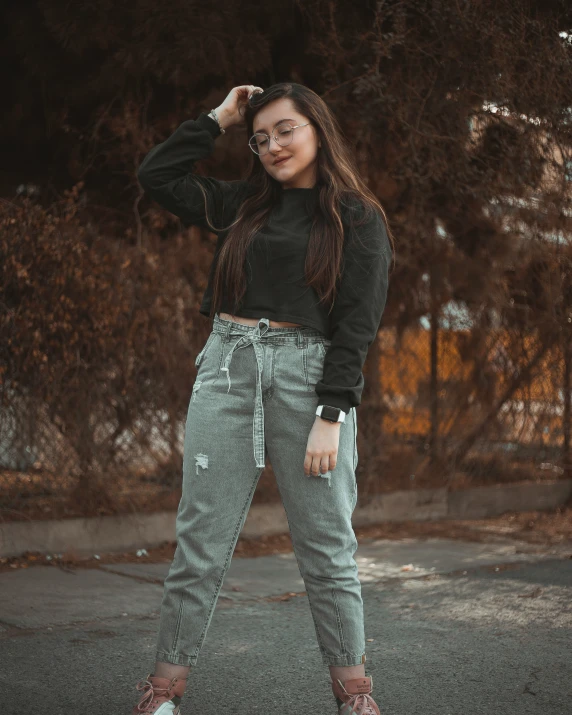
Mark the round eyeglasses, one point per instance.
(282, 135)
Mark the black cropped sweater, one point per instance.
(276, 288)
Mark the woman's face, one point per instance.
(299, 171)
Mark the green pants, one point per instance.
(254, 397)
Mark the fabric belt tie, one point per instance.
(253, 338)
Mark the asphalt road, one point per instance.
(456, 628)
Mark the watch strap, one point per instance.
(335, 414)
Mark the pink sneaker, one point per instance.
(162, 696)
(353, 696)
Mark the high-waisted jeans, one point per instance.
(254, 397)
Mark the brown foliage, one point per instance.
(95, 339)
(459, 115)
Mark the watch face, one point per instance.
(330, 413)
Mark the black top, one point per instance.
(276, 288)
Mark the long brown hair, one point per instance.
(338, 183)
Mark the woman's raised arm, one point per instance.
(167, 173)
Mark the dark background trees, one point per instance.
(460, 116)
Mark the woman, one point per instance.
(296, 292)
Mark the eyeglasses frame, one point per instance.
(274, 137)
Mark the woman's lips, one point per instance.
(282, 161)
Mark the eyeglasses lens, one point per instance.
(283, 134)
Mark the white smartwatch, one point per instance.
(331, 414)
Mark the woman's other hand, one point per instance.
(322, 448)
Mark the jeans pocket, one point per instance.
(200, 357)
(313, 356)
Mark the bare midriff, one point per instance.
(254, 321)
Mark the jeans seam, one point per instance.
(339, 620)
(221, 356)
(178, 626)
(226, 562)
(196, 386)
(273, 356)
(309, 386)
(305, 364)
(320, 642)
(200, 357)
(356, 456)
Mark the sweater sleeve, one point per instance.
(356, 315)
(167, 175)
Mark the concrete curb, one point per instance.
(135, 531)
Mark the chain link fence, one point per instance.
(461, 416)
(454, 417)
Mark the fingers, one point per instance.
(318, 465)
(250, 89)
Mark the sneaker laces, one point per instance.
(151, 691)
(362, 699)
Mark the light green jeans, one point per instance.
(254, 397)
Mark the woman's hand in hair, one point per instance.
(231, 111)
(322, 447)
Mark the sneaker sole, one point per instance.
(176, 711)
